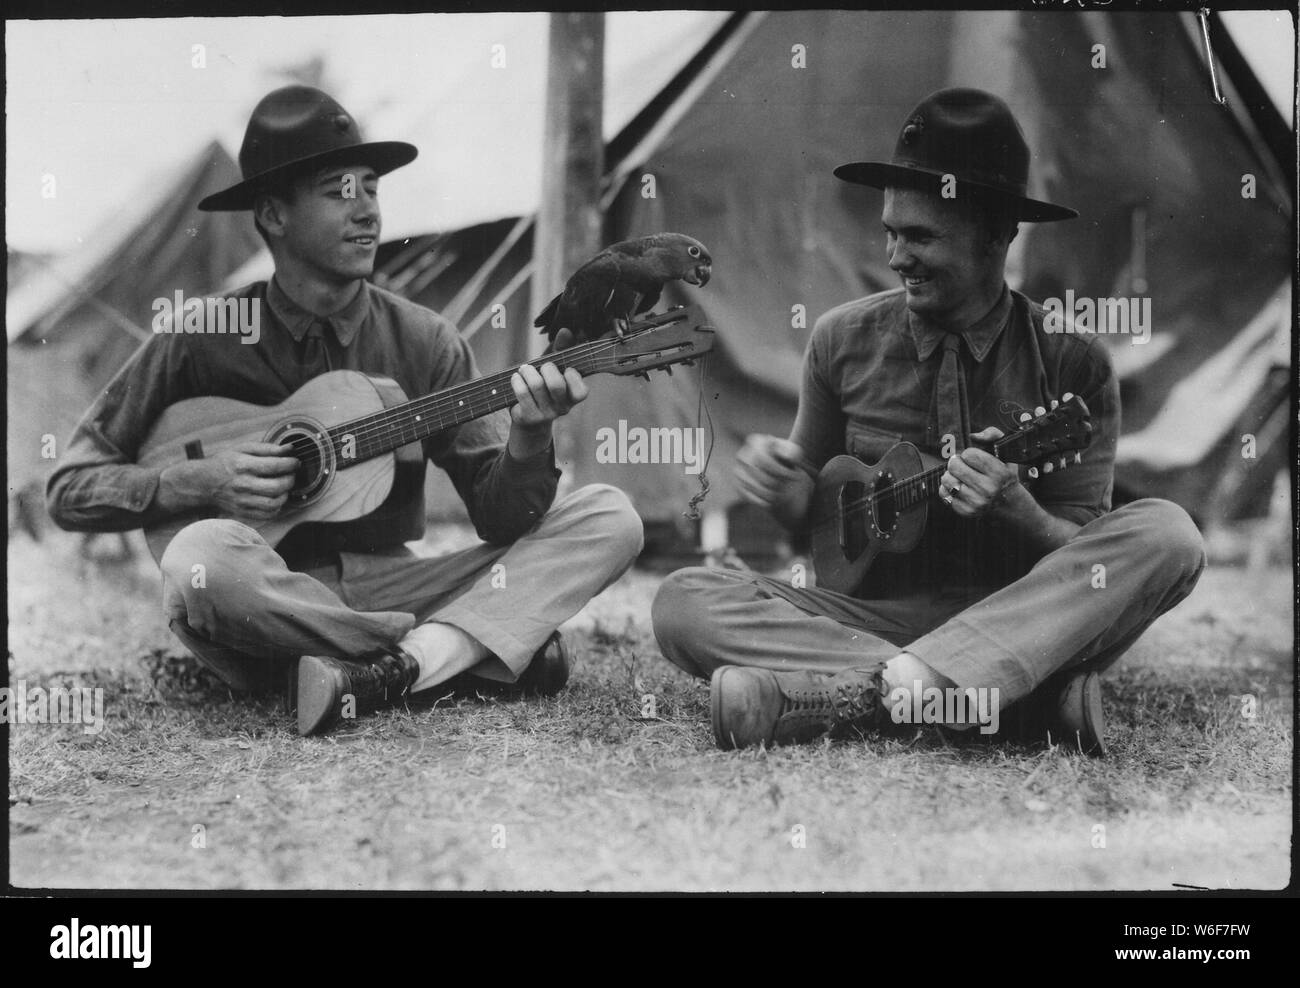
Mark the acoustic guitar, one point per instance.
(859, 511)
(347, 428)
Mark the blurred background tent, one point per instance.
(73, 321)
(740, 139)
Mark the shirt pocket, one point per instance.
(869, 444)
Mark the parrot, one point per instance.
(621, 282)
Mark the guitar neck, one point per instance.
(915, 490)
(412, 421)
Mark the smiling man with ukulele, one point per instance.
(1024, 587)
(341, 614)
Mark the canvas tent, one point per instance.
(73, 321)
(739, 119)
(741, 146)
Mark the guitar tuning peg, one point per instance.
(1067, 396)
(1040, 410)
(1055, 403)
(1025, 417)
(1033, 473)
(1047, 467)
(1063, 462)
(1078, 456)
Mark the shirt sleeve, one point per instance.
(819, 422)
(96, 485)
(505, 497)
(1083, 490)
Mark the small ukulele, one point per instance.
(860, 511)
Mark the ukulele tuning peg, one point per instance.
(1025, 416)
(1067, 396)
(1078, 457)
(1033, 473)
(1047, 467)
(1054, 403)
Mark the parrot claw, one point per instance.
(620, 328)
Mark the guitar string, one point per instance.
(369, 426)
(380, 423)
(919, 480)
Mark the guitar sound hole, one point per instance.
(315, 458)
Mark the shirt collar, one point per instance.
(344, 324)
(979, 336)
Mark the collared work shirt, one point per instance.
(868, 382)
(97, 486)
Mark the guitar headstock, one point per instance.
(668, 340)
(1047, 438)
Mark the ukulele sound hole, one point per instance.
(311, 445)
(884, 509)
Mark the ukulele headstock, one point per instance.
(1045, 441)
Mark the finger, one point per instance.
(787, 453)
(557, 389)
(563, 340)
(537, 387)
(266, 466)
(981, 461)
(967, 477)
(263, 449)
(760, 462)
(261, 507)
(257, 487)
(757, 482)
(989, 435)
(527, 407)
(755, 493)
(577, 387)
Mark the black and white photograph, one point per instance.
(671, 451)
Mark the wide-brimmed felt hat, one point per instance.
(970, 135)
(299, 128)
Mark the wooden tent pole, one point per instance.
(570, 223)
(569, 219)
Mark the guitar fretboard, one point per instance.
(382, 432)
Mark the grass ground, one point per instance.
(188, 787)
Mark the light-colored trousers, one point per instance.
(246, 614)
(1062, 614)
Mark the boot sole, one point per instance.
(320, 689)
(1080, 714)
(725, 742)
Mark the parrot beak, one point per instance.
(700, 276)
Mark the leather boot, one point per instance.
(546, 674)
(325, 685)
(1064, 710)
(758, 706)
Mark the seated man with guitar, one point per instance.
(281, 529)
(1021, 582)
